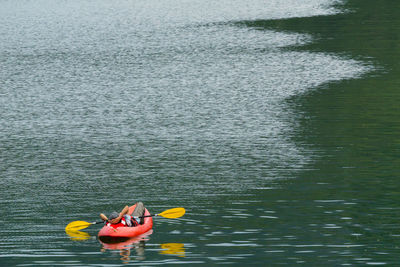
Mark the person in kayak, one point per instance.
(123, 218)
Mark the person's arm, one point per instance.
(103, 217)
(124, 211)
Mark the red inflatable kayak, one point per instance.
(127, 232)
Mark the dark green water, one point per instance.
(274, 124)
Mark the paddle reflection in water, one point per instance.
(176, 249)
(77, 235)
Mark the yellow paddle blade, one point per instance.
(77, 225)
(172, 213)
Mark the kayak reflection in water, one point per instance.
(126, 253)
(125, 250)
(123, 218)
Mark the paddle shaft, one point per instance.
(151, 215)
(169, 214)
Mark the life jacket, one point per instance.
(130, 223)
(121, 223)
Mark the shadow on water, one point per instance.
(347, 199)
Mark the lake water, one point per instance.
(275, 124)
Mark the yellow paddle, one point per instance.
(169, 214)
(79, 225)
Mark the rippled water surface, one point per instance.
(274, 123)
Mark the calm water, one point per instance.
(274, 123)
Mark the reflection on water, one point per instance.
(112, 243)
(78, 235)
(126, 245)
(126, 252)
(134, 248)
(177, 249)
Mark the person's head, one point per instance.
(113, 215)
